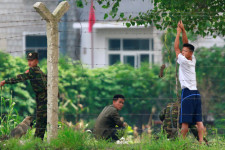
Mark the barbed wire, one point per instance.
(18, 21)
(79, 20)
(17, 26)
(74, 21)
(138, 114)
(151, 99)
(106, 11)
(111, 78)
(171, 99)
(116, 32)
(17, 12)
(145, 129)
(91, 115)
(98, 50)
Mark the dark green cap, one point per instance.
(32, 55)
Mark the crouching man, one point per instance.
(108, 122)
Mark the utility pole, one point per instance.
(52, 20)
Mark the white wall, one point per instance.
(17, 17)
(101, 36)
(209, 41)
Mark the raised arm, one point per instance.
(176, 43)
(184, 35)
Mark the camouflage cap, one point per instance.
(32, 55)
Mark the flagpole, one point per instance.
(90, 29)
(92, 50)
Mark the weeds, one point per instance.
(8, 117)
(70, 139)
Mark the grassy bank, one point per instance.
(75, 140)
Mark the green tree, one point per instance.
(202, 17)
(85, 92)
(210, 75)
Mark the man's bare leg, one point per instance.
(184, 129)
(201, 131)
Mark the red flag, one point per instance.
(91, 17)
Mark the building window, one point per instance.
(37, 44)
(135, 44)
(114, 58)
(114, 44)
(130, 51)
(128, 59)
(144, 58)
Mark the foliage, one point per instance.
(95, 88)
(70, 139)
(202, 17)
(8, 118)
(210, 74)
(85, 92)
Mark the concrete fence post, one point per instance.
(52, 20)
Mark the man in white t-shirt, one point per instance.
(191, 112)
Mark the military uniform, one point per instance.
(105, 126)
(170, 118)
(38, 82)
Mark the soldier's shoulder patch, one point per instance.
(27, 71)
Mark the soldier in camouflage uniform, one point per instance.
(169, 116)
(38, 82)
(171, 126)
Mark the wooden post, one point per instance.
(52, 20)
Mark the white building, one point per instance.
(113, 42)
(22, 28)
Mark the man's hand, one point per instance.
(184, 35)
(176, 43)
(181, 25)
(125, 124)
(179, 30)
(2, 83)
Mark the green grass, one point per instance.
(75, 140)
(10, 118)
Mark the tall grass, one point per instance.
(8, 116)
(70, 139)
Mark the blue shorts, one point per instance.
(191, 109)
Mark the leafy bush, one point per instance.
(85, 92)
